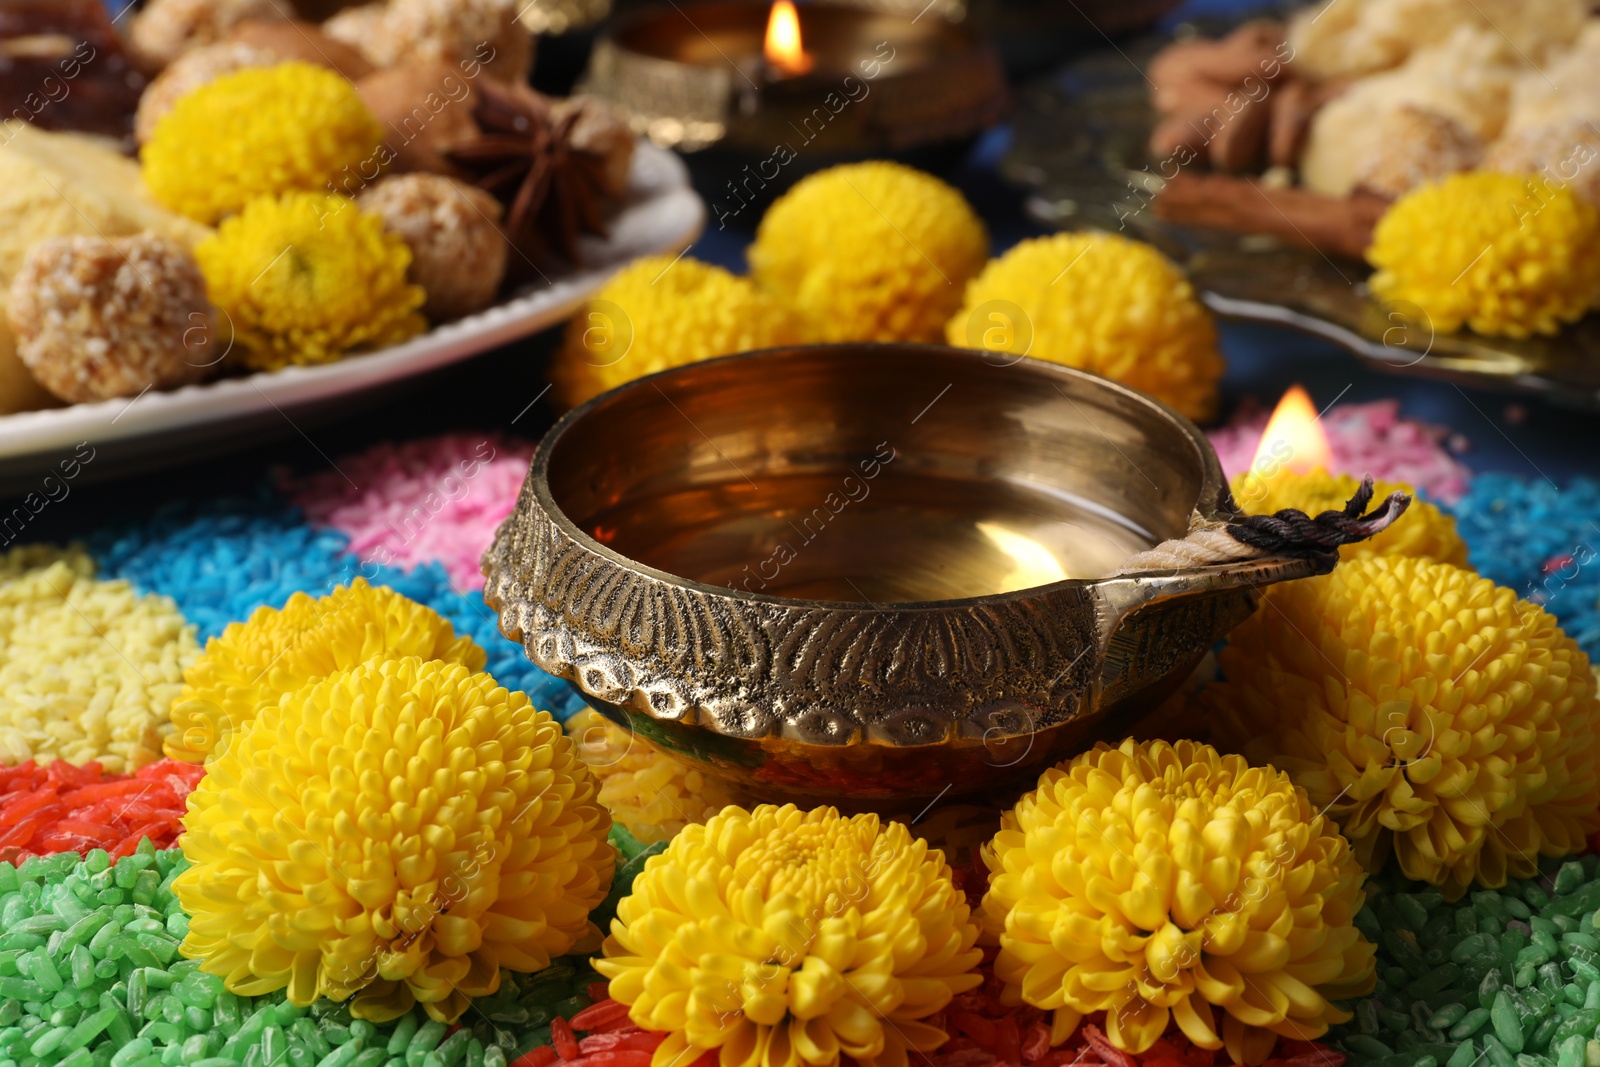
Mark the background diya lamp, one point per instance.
(806, 575)
(765, 93)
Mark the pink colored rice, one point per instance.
(436, 499)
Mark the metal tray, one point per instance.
(1079, 144)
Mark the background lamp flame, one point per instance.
(784, 49)
(1294, 438)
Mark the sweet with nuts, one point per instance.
(98, 318)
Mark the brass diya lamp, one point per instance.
(867, 571)
(773, 81)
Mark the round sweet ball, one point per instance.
(458, 254)
(97, 318)
(406, 32)
(1564, 154)
(163, 30)
(1416, 146)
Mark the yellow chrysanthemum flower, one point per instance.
(1425, 531)
(784, 937)
(1507, 255)
(279, 650)
(659, 313)
(652, 794)
(305, 278)
(1100, 302)
(1155, 880)
(400, 831)
(88, 667)
(258, 132)
(1430, 712)
(870, 252)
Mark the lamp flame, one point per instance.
(783, 49)
(1294, 438)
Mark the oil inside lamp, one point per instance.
(1294, 438)
(783, 49)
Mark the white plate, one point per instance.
(661, 214)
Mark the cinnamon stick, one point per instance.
(1241, 144)
(1341, 227)
(1214, 98)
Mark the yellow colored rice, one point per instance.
(88, 668)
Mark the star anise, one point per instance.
(525, 159)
